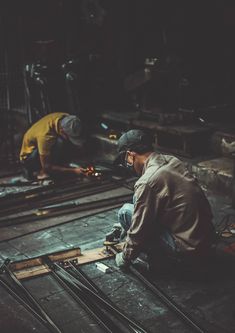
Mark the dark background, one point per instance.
(194, 39)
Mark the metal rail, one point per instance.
(92, 298)
(87, 214)
(57, 199)
(40, 215)
(42, 192)
(90, 284)
(166, 299)
(24, 297)
(38, 190)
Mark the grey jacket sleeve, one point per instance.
(146, 209)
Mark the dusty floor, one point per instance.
(209, 298)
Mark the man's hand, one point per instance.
(79, 171)
(121, 262)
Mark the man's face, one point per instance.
(132, 162)
(63, 134)
(129, 160)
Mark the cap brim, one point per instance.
(120, 159)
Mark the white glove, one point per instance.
(120, 261)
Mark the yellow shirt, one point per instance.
(42, 135)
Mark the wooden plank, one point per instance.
(34, 267)
(32, 272)
(57, 256)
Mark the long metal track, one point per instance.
(50, 190)
(86, 206)
(87, 214)
(78, 273)
(58, 198)
(93, 300)
(166, 299)
(24, 297)
(39, 189)
(93, 311)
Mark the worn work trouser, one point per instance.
(60, 154)
(166, 241)
(165, 247)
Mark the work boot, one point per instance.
(142, 262)
(115, 233)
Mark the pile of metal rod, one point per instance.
(50, 196)
(82, 289)
(89, 296)
(165, 299)
(54, 201)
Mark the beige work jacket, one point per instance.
(168, 196)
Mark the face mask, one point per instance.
(128, 165)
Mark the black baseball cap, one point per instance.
(131, 140)
(134, 139)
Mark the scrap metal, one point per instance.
(58, 198)
(24, 297)
(86, 206)
(166, 299)
(89, 293)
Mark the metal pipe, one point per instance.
(57, 199)
(27, 300)
(168, 301)
(80, 287)
(164, 297)
(40, 192)
(86, 214)
(39, 215)
(93, 310)
(90, 284)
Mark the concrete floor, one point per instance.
(208, 297)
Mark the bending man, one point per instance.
(170, 213)
(46, 145)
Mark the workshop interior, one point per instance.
(76, 78)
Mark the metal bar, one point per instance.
(53, 189)
(90, 284)
(18, 183)
(29, 297)
(40, 215)
(94, 311)
(57, 199)
(164, 298)
(36, 309)
(92, 296)
(59, 187)
(41, 192)
(20, 300)
(105, 209)
(168, 301)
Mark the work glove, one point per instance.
(121, 262)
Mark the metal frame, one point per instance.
(166, 299)
(58, 198)
(86, 290)
(86, 206)
(24, 297)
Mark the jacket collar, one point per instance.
(154, 159)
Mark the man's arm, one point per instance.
(48, 167)
(146, 212)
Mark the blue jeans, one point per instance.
(166, 241)
(60, 154)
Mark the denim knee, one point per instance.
(125, 215)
